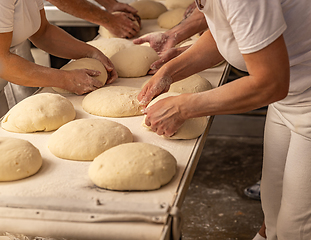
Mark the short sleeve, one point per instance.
(6, 16)
(255, 23)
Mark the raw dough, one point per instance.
(110, 46)
(192, 84)
(104, 32)
(133, 166)
(148, 9)
(192, 128)
(19, 159)
(134, 61)
(113, 101)
(40, 112)
(85, 139)
(172, 4)
(171, 18)
(88, 63)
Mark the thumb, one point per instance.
(92, 73)
(140, 40)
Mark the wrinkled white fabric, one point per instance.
(243, 27)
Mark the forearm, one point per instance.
(240, 96)
(79, 8)
(59, 43)
(200, 56)
(22, 72)
(188, 27)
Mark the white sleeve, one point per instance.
(6, 16)
(255, 24)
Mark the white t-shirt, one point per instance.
(246, 26)
(20, 16)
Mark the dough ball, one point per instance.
(134, 61)
(110, 46)
(133, 166)
(171, 18)
(192, 128)
(104, 32)
(37, 113)
(19, 159)
(88, 63)
(113, 101)
(85, 139)
(172, 4)
(192, 84)
(148, 9)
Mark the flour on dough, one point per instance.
(37, 113)
(113, 101)
(171, 18)
(133, 166)
(191, 128)
(147, 9)
(19, 159)
(193, 84)
(110, 46)
(134, 61)
(88, 63)
(85, 139)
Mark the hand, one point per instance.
(120, 7)
(81, 81)
(165, 57)
(160, 42)
(123, 25)
(111, 71)
(164, 117)
(154, 87)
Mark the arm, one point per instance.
(20, 71)
(268, 81)
(114, 6)
(191, 25)
(120, 24)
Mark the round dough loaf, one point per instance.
(113, 101)
(191, 128)
(134, 61)
(172, 4)
(110, 46)
(171, 18)
(37, 113)
(147, 9)
(133, 166)
(19, 159)
(193, 84)
(85, 139)
(88, 63)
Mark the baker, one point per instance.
(21, 20)
(270, 39)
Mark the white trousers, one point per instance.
(286, 175)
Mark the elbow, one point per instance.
(280, 89)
